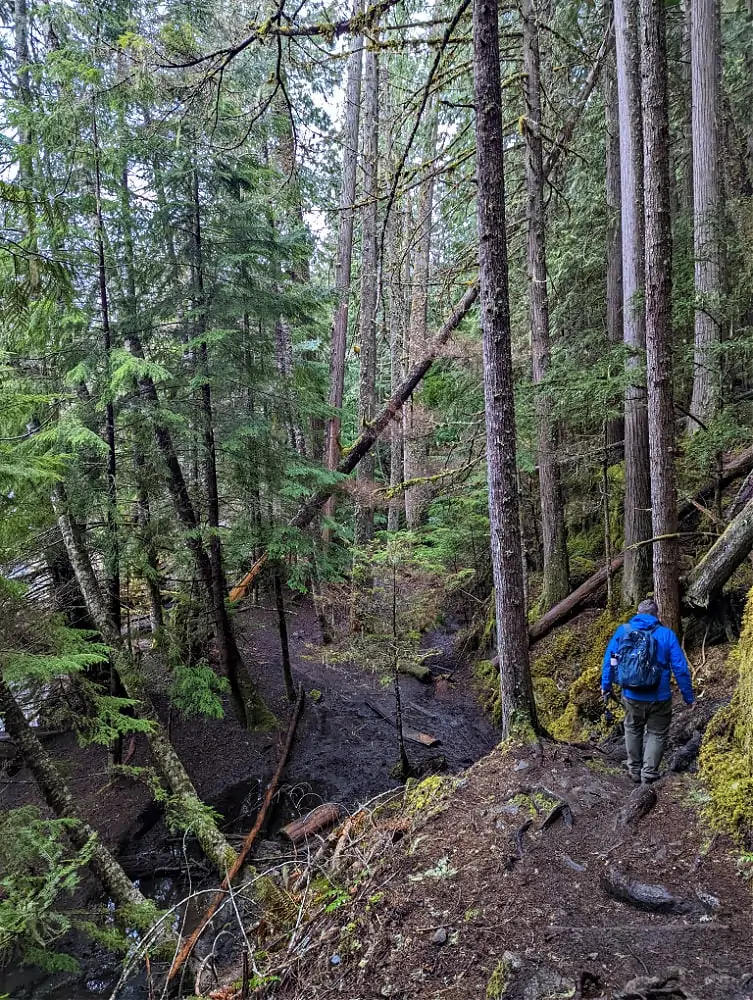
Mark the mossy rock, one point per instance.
(429, 796)
(500, 979)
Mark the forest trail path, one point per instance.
(477, 901)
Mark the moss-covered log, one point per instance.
(727, 553)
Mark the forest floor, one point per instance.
(492, 892)
(343, 752)
(465, 885)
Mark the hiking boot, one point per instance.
(635, 778)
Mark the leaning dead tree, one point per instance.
(728, 552)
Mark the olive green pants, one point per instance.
(646, 732)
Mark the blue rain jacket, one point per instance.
(671, 658)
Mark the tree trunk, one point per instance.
(283, 629)
(182, 792)
(245, 693)
(397, 315)
(728, 552)
(243, 688)
(512, 630)
(112, 553)
(706, 71)
(364, 526)
(615, 426)
(556, 577)
(415, 431)
(56, 795)
(344, 251)
(143, 512)
(658, 235)
(637, 573)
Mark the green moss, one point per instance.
(486, 683)
(550, 700)
(428, 796)
(582, 714)
(499, 980)
(726, 758)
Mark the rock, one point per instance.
(708, 900)
(522, 765)
(439, 937)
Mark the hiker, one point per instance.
(639, 658)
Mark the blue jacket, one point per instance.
(671, 658)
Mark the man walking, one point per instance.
(639, 658)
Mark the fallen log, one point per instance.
(565, 610)
(413, 735)
(222, 895)
(729, 551)
(739, 465)
(321, 818)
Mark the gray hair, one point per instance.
(648, 607)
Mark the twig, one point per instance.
(219, 898)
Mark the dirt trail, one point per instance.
(487, 898)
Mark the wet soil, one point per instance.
(343, 752)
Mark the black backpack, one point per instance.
(637, 656)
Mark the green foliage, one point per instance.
(197, 690)
(38, 874)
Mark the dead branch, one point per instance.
(220, 896)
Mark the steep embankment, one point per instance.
(518, 881)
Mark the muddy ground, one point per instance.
(343, 752)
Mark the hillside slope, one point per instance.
(505, 883)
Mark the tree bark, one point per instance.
(705, 38)
(415, 430)
(56, 795)
(344, 250)
(658, 235)
(556, 576)
(512, 631)
(216, 848)
(729, 551)
(364, 523)
(615, 427)
(283, 629)
(397, 316)
(112, 553)
(637, 573)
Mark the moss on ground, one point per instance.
(429, 796)
(726, 758)
(499, 980)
